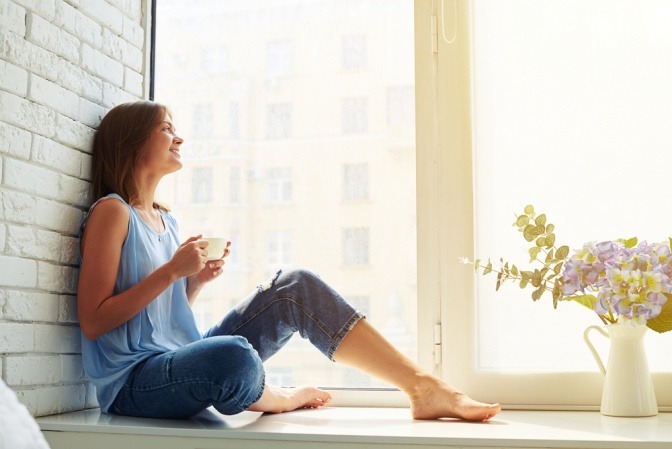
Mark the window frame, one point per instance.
(445, 185)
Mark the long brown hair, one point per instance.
(116, 148)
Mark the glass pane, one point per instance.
(299, 126)
(572, 112)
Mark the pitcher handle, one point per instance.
(596, 356)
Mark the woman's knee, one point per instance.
(305, 277)
(242, 355)
(242, 376)
(227, 357)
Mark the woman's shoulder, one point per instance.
(109, 210)
(110, 205)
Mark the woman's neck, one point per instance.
(145, 197)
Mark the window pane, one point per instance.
(296, 139)
(572, 112)
(202, 184)
(356, 182)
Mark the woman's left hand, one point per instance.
(213, 269)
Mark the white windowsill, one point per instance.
(358, 427)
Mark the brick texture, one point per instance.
(63, 64)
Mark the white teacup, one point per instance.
(216, 247)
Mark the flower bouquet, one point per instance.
(622, 280)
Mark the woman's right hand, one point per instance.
(190, 257)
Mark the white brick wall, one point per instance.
(63, 64)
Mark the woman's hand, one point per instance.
(211, 270)
(190, 257)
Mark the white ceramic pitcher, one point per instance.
(628, 388)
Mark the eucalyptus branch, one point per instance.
(582, 277)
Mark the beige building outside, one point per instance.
(299, 127)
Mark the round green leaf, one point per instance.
(562, 252)
(550, 240)
(527, 233)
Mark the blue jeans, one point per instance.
(225, 369)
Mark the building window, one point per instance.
(279, 121)
(234, 185)
(282, 376)
(234, 120)
(201, 182)
(236, 246)
(279, 58)
(354, 51)
(215, 60)
(355, 182)
(355, 120)
(356, 246)
(279, 185)
(401, 106)
(202, 121)
(360, 303)
(279, 248)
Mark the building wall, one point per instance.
(63, 64)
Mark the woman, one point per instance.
(141, 347)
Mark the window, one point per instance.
(354, 52)
(279, 253)
(356, 246)
(550, 119)
(282, 122)
(279, 58)
(215, 60)
(234, 120)
(279, 121)
(355, 182)
(202, 121)
(233, 259)
(279, 185)
(202, 184)
(355, 120)
(281, 376)
(234, 185)
(360, 303)
(400, 105)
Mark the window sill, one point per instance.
(358, 428)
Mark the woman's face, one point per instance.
(161, 152)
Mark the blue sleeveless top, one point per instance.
(167, 323)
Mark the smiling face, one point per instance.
(161, 151)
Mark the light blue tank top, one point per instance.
(167, 323)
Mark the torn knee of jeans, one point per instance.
(270, 283)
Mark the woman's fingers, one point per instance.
(192, 239)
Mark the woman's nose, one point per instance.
(178, 139)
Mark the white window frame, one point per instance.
(445, 210)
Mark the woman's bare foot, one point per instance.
(278, 400)
(434, 399)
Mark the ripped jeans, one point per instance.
(225, 369)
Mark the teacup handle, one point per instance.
(597, 357)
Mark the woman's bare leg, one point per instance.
(366, 349)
